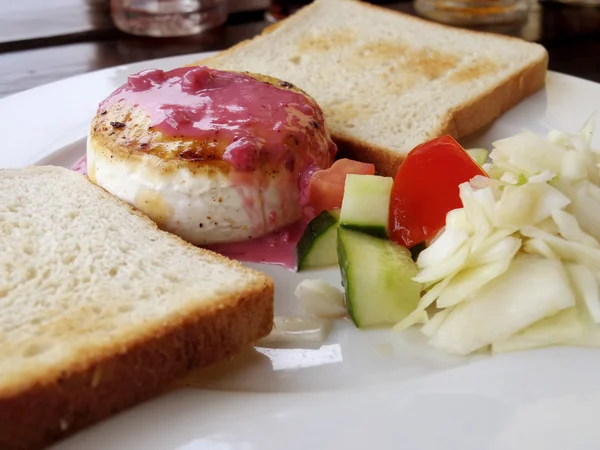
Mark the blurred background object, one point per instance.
(473, 12)
(581, 2)
(42, 41)
(168, 18)
(280, 9)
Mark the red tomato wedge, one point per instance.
(426, 189)
(326, 187)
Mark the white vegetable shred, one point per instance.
(518, 266)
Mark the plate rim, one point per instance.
(422, 387)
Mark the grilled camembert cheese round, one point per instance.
(209, 155)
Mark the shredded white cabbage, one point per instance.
(518, 266)
(530, 290)
(432, 325)
(561, 327)
(585, 284)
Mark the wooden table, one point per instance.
(46, 40)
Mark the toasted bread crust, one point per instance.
(461, 122)
(464, 120)
(112, 382)
(35, 413)
(481, 111)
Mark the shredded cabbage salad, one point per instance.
(518, 266)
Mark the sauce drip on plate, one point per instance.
(277, 247)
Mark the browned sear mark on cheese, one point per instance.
(190, 155)
(194, 150)
(117, 124)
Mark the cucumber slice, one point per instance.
(377, 275)
(479, 155)
(318, 245)
(366, 204)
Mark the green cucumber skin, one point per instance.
(391, 283)
(377, 231)
(315, 229)
(344, 267)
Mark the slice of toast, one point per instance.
(100, 309)
(389, 81)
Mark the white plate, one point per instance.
(360, 389)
